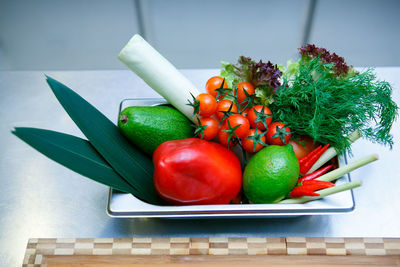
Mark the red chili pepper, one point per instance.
(306, 157)
(302, 191)
(309, 162)
(318, 183)
(307, 188)
(315, 174)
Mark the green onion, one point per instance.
(323, 193)
(335, 174)
(331, 152)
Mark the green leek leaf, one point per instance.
(129, 162)
(74, 153)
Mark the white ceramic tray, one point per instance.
(124, 205)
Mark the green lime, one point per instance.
(271, 174)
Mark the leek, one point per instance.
(139, 56)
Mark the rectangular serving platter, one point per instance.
(123, 205)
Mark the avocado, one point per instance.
(148, 127)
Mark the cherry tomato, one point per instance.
(208, 104)
(224, 105)
(211, 129)
(278, 134)
(303, 145)
(242, 87)
(248, 143)
(245, 112)
(223, 137)
(266, 116)
(239, 120)
(215, 83)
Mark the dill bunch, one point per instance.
(318, 104)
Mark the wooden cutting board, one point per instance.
(260, 251)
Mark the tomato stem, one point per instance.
(199, 129)
(257, 138)
(281, 133)
(227, 114)
(249, 100)
(195, 104)
(262, 116)
(221, 91)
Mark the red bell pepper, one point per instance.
(193, 171)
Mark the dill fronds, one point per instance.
(328, 109)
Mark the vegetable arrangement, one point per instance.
(313, 103)
(286, 124)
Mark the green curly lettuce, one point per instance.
(228, 72)
(265, 77)
(291, 69)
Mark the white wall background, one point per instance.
(364, 32)
(88, 34)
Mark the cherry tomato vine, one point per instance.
(231, 116)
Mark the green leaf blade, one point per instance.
(129, 162)
(74, 153)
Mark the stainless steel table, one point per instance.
(39, 198)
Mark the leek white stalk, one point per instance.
(139, 56)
